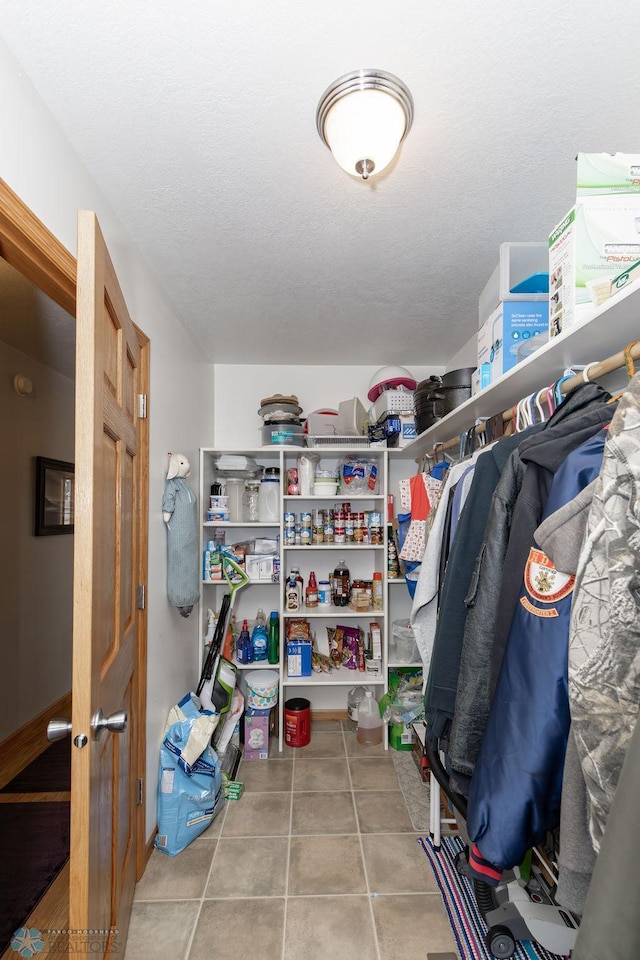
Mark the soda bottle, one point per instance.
(341, 585)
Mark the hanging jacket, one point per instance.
(516, 510)
(604, 650)
(514, 797)
(445, 661)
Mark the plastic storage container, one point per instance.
(369, 722)
(522, 274)
(269, 500)
(297, 722)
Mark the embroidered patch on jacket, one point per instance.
(544, 584)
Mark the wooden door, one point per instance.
(108, 635)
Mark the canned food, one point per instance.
(290, 520)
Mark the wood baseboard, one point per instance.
(329, 714)
(21, 748)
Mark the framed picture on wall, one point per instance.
(54, 496)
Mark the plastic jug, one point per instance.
(269, 500)
(354, 699)
(369, 721)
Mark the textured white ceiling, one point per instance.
(198, 122)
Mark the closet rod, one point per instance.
(596, 370)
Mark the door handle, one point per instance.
(58, 728)
(116, 723)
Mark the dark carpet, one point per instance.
(50, 771)
(34, 845)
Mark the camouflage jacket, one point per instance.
(604, 647)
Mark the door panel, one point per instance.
(106, 563)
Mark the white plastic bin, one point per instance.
(518, 262)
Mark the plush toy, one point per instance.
(180, 513)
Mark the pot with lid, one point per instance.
(435, 397)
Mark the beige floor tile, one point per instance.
(160, 930)
(412, 926)
(254, 867)
(355, 749)
(378, 773)
(268, 775)
(396, 863)
(259, 815)
(239, 929)
(322, 745)
(325, 865)
(180, 877)
(321, 775)
(337, 927)
(382, 811)
(320, 813)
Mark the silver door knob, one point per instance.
(58, 728)
(116, 723)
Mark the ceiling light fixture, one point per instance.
(363, 118)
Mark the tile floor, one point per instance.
(317, 860)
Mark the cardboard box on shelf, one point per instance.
(594, 252)
(512, 332)
(608, 174)
(299, 658)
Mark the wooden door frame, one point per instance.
(39, 256)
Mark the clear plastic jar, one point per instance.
(250, 499)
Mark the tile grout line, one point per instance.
(206, 883)
(361, 845)
(286, 875)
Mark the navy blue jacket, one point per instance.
(514, 798)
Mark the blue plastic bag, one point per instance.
(190, 792)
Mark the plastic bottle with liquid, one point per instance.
(244, 645)
(340, 585)
(259, 637)
(295, 573)
(273, 646)
(311, 592)
(292, 595)
(377, 591)
(369, 722)
(355, 697)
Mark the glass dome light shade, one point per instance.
(362, 117)
(365, 125)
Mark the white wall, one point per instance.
(37, 572)
(467, 356)
(39, 164)
(239, 390)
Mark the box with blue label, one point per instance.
(299, 658)
(513, 332)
